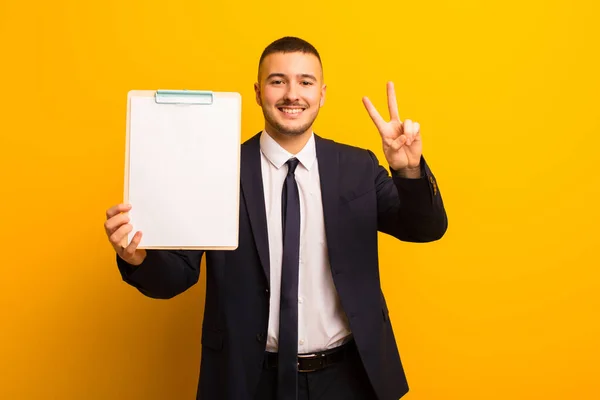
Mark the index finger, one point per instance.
(119, 208)
(374, 114)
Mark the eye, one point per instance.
(307, 83)
(276, 82)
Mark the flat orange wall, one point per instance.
(504, 307)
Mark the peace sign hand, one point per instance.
(401, 141)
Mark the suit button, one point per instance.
(267, 293)
(260, 337)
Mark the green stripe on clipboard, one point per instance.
(184, 97)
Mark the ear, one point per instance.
(257, 91)
(323, 90)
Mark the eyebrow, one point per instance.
(280, 75)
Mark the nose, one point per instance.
(291, 94)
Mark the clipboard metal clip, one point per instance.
(184, 97)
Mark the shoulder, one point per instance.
(346, 152)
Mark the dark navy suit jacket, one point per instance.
(360, 199)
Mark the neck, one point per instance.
(292, 144)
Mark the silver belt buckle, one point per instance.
(308, 356)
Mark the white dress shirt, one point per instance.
(322, 323)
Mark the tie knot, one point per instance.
(292, 163)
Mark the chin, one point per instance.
(291, 130)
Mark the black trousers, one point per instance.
(346, 380)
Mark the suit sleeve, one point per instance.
(164, 273)
(411, 210)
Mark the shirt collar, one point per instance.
(278, 156)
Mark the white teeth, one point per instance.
(291, 110)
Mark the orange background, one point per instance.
(504, 307)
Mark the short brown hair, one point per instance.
(289, 44)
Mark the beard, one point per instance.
(288, 130)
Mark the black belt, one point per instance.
(314, 361)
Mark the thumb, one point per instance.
(398, 143)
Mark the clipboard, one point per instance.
(182, 168)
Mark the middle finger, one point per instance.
(112, 224)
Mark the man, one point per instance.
(297, 311)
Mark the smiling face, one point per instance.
(290, 91)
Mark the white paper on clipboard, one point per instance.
(182, 169)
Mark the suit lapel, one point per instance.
(252, 189)
(253, 192)
(329, 171)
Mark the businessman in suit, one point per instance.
(297, 310)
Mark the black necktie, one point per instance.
(287, 385)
